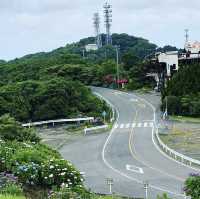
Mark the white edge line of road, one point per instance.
(153, 139)
(119, 172)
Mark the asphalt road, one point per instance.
(128, 153)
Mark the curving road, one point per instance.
(129, 154)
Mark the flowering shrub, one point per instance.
(7, 149)
(58, 171)
(15, 153)
(48, 174)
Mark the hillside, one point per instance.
(52, 85)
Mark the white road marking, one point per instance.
(151, 124)
(145, 124)
(121, 126)
(134, 169)
(116, 126)
(134, 100)
(139, 125)
(123, 174)
(127, 125)
(133, 125)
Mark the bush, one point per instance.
(164, 196)
(65, 192)
(173, 105)
(11, 189)
(58, 171)
(48, 174)
(7, 196)
(192, 187)
(12, 130)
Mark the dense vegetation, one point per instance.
(183, 92)
(51, 85)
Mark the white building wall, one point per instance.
(91, 47)
(170, 58)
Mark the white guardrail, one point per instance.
(86, 130)
(174, 154)
(108, 103)
(57, 121)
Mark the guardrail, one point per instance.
(111, 106)
(174, 154)
(95, 128)
(57, 121)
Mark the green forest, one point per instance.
(52, 85)
(183, 92)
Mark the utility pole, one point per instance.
(166, 108)
(117, 60)
(146, 187)
(83, 51)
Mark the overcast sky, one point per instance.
(29, 26)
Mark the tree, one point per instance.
(11, 130)
(129, 60)
(192, 187)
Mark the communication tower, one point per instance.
(97, 30)
(186, 35)
(108, 21)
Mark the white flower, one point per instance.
(51, 175)
(45, 178)
(66, 185)
(62, 174)
(51, 167)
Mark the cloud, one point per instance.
(36, 25)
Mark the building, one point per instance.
(192, 49)
(91, 47)
(170, 59)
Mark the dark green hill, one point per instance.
(24, 82)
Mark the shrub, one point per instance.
(192, 187)
(164, 196)
(58, 171)
(65, 192)
(50, 173)
(7, 196)
(11, 189)
(12, 130)
(173, 104)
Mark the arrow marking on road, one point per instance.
(134, 100)
(134, 169)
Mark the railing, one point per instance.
(93, 129)
(57, 121)
(108, 103)
(174, 154)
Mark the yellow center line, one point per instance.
(134, 154)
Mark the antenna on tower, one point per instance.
(97, 29)
(108, 20)
(186, 35)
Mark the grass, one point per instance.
(11, 197)
(183, 141)
(185, 119)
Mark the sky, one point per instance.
(29, 26)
